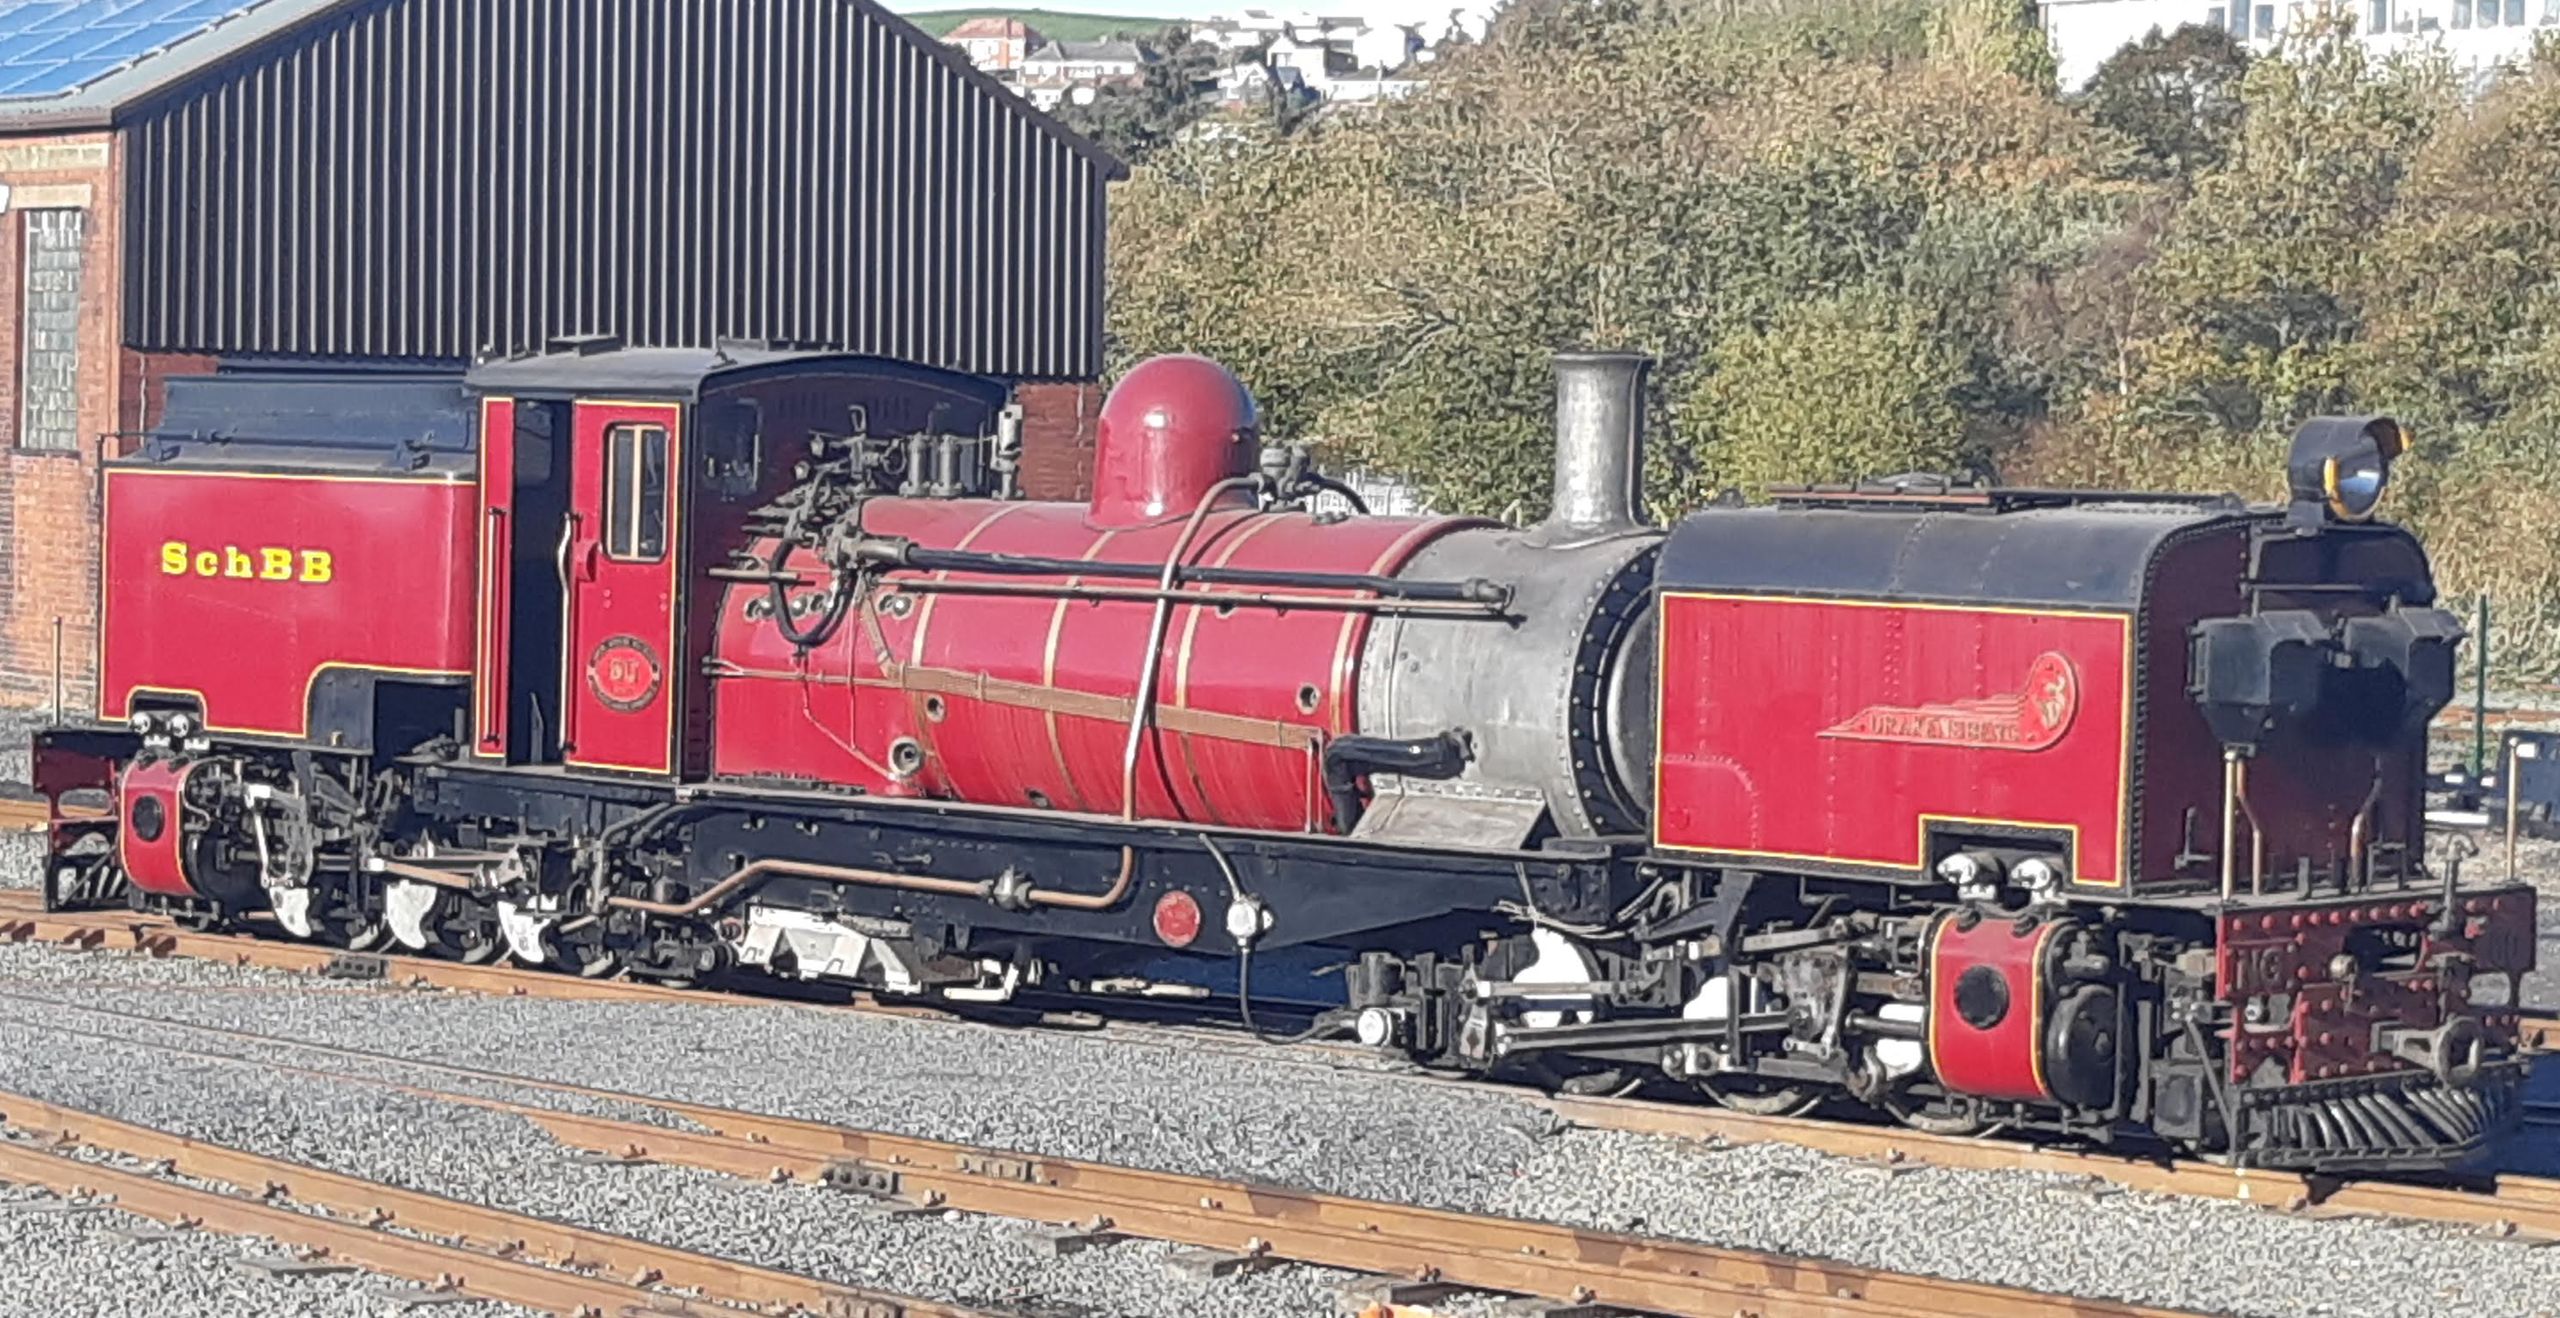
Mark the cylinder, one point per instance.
(1599, 444)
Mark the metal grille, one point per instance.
(49, 329)
(442, 179)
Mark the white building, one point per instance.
(1314, 62)
(1061, 71)
(1387, 46)
(1361, 55)
(1251, 83)
(2480, 36)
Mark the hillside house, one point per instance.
(995, 45)
(1063, 70)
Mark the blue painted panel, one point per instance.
(49, 47)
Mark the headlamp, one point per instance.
(2340, 465)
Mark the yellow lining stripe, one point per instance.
(204, 706)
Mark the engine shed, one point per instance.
(409, 186)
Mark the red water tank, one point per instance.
(1171, 430)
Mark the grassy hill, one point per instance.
(1048, 23)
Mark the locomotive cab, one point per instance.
(613, 485)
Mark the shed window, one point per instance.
(49, 329)
(635, 493)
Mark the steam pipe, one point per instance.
(892, 553)
(2514, 746)
(1349, 495)
(758, 871)
(1142, 709)
(1093, 901)
(1258, 599)
(2357, 844)
(1441, 755)
(2230, 824)
(2257, 835)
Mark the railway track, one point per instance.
(1098, 1202)
(448, 1245)
(2505, 1204)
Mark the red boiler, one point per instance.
(1014, 698)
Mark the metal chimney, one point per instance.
(1599, 445)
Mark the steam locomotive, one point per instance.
(2089, 814)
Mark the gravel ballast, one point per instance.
(75, 1263)
(1277, 1117)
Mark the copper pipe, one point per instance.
(757, 871)
(420, 873)
(2230, 826)
(1261, 599)
(1154, 660)
(2356, 831)
(2514, 752)
(1095, 901)
(2257, 835)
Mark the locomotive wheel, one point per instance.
(352, 930)
(1761, 1097)
(1934, 1115)
(583, 955)
(470, 944)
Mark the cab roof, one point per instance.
(599, 369)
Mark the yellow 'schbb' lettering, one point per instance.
(248, 563)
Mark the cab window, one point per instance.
(635, 495)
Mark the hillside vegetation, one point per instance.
(1868, 236)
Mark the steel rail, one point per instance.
(20, 814)
(494, 1262)
(1658, 1275)
(2524, 1203)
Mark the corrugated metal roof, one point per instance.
(151, 47)
(441, 180)
(51, 47)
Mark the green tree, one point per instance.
(2175, 97)
(1853, 386)
(1628, 174)
(1174, 91)
(2256, 287)
(1867, 236)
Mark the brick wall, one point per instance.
(1057, 439)
(48, 500)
